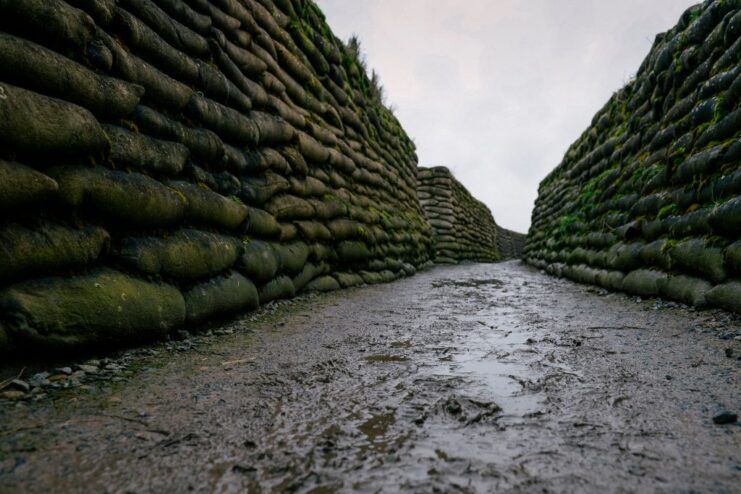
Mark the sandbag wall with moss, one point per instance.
(464, 228)
(166, 161)
(648, 200)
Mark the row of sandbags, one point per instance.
(651, 192)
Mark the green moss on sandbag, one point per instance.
(726, 296)
(105, 307)
(726, 218)
(351, 252)
(131, 198)
(37, 68)
(34, 124)
(140, 151)
(209, 208)
(323, 284)
(22, 186)
(47, 248)
(185, 255)
(695, 256)
(279, 288)
(259, 261)
(219, 296)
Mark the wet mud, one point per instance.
(471, 378)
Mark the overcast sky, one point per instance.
(497, 90)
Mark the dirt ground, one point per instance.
(471, 378)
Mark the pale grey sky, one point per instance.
(497, 90)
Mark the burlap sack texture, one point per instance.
(648, 200)
(166, 161)
(464, 227)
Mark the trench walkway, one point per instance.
(472, 378)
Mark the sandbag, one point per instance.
(351, 252)
(185, 255)
(219, 296)
(726, 218)
(131, 198)
(733, 258)
(39, 125)
(21, 186)
(259, 190)
(279, 288)
(685, 289)
(286, 207)
(262, 224)
(40, 69)
(307, 274)
(292, 257)
(140, 151)
(695, 256)
(104, 307)
(644, 282)
(209, 208)
(259, 261)
(348, 280)
(323, 284)
(47, 248)
(726, 296)
(53, 22)
(227, 122)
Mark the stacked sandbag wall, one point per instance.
(648, 200)
(464, 228)
(167, 161)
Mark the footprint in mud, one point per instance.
(386, 358)
(472, 283)
(464, 410)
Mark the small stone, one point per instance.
(20, 385)
(729, 352)
(57, 378)
(725, 418)
(64, 370)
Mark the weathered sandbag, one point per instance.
(209, 208)
(644, 282)
(140, 151)
(248, 63)
(131, 198)
(218, 87)
(227, 122)
(47, 248)
(313, 231)
(288, 232)
(259, 190)
(726, 296)
(40, 69)
(351, 251)
(347, 280)
(308, 187)
(171, 30)
(22, 186)
(612, 280)
(292, 257)
(343, 229)
(311, 149)
(39, 125)
(262, 224)
(220, 296)
(295, 160)
(204, 144)
(657, 254)
(286, 207)
(259, 261)
(186, 254)
(624, 257)
(257, 95)
(53, 22)
(726, 218)
(695, 256)
(733, 258)
(371, 278)
(187, 16)
(281, 287)
(272, 129)
(161, 90)
(685, 289)
(100, 10)
(323, 284)
(101, 308)
(307, 274)
(150, 45)
(328, 208)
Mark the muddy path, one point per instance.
(475, 378)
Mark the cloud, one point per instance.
(497, 90)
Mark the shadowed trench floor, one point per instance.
(470, 378)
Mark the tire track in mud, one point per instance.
(472, 378)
